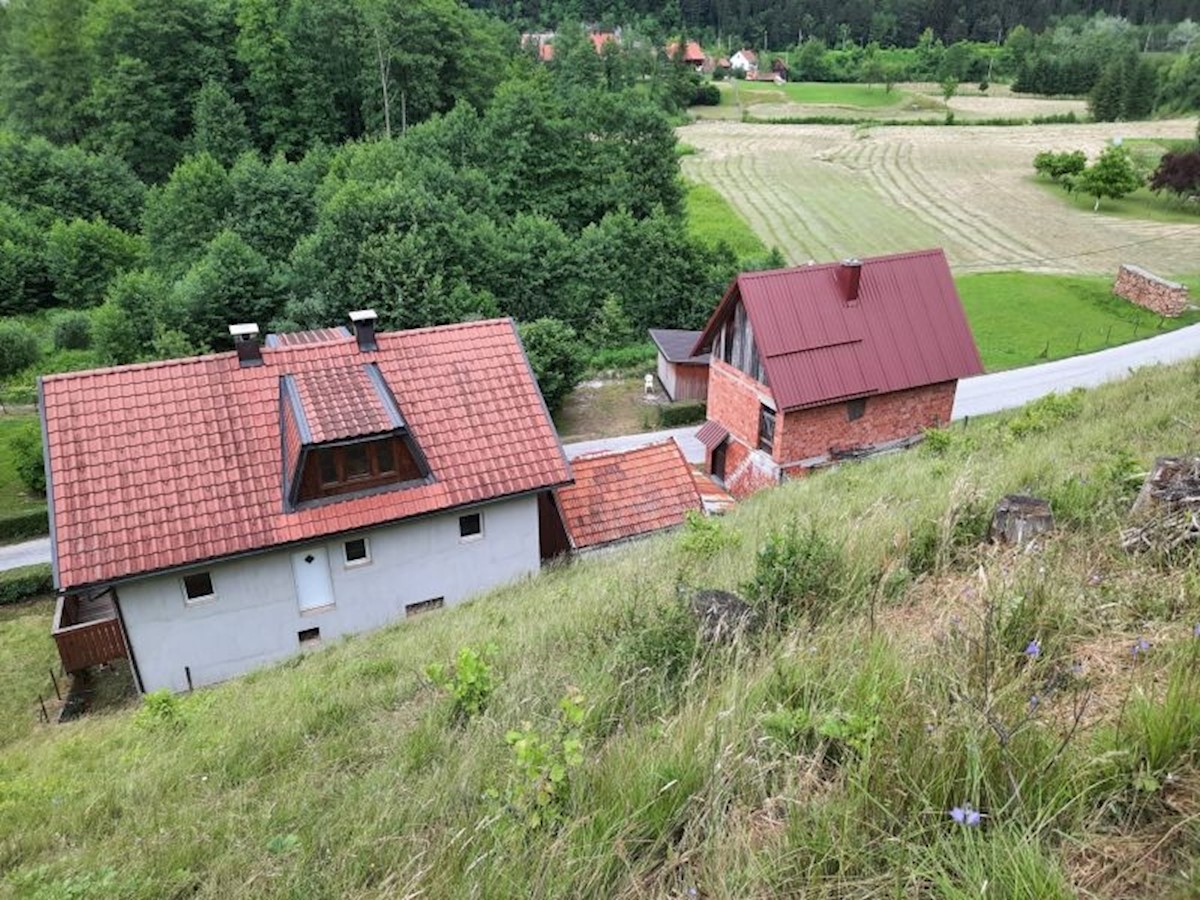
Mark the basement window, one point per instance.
(309, 636)
(766, 429)
(856, 409)
(198, 587)
(415, 609)
(357, 551)
(470, 527)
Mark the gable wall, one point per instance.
(255, 619)
(733, 400)
(807, 433)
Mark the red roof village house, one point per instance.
(212, 514)
(692, 54)
(814, 363)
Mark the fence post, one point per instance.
(54, 681)
(1107, 335)
(45, 715)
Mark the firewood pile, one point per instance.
(1018, 519)
(1166, 513)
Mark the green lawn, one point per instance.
(712, 219)
(1020, 318)
(13, 497)
(1141, 204)
(863, 95)
(27, 654)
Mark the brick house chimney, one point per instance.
(364, 329)
(245, 341)
(849, 276)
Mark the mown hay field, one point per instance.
(829, 191)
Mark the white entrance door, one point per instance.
(314, 587)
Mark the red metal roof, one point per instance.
(906, 329)
(711, 434)
(165, 464)
(626, 493)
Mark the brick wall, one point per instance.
(747, 471)
(734, 399)
(807, 433)
(1167, 298)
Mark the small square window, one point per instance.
(357, 552)
(309, 636)
(470, 526)
(415, 609)
(384, 458)
(855, 409)
(357, 463)
(198, 587)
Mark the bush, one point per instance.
(72, 331)
(1060, 165)
(469, 681)
(798, 574)
(1046, 413)
(23, 525)
(25, 583)
(685, 413)
(707, 95)
(556, 358)
(26, 446)
(18, 348)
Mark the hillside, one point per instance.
(820, 756)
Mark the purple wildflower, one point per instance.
(1034, 649)
(1196, 630)
(965, 815)
(1033, 703)
(1141, 646)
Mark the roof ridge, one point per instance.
(809, 267)
(600, 454)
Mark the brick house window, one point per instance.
(855, 409)
(766, 429)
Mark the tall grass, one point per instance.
(810, 756)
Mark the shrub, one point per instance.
(470, 682)
(706, 95)
(684, 413)
(27, 524)
(26, 446)
(705, 536)
(18, 348)
(72, 331)
(798, 574)
(161, 710)
(17, 585)
(1059, 165)
(1046, 413)
(556, 358)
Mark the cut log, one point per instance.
(721, 615)
(1166, 513)
(1019, 518)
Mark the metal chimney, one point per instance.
(850, 275)
(245, 341)
(364, 329)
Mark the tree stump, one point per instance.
(1166, 513)
(1019, 518)
(721, 615)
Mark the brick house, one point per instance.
(822, 362)
(214, 514)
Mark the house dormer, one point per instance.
(343, 434)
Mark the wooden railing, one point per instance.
(87, 632)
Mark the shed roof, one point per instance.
(905, 329)
(166, 464)
(676, 346)
(622, 494)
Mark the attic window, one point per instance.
(198, 587)
(470, 527)
(358, 466)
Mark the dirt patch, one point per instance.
(608, 408)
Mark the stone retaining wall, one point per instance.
(1135, 284)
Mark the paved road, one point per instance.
(28, 553)
(976, 396)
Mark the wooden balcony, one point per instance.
(88, 631)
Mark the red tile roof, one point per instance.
(906, 329)
(166, 464)
(627, 493)
(315, 336)
(692, 52)
(343, 402)
(600, 38)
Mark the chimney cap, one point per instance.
(244, 330)
(363, 315)
(852, 261)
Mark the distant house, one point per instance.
(691, 54)
(213, 514)
(542, 42)
(600, 38)
(682, 375)
(744, 61)
(813, 364)
(626, 494)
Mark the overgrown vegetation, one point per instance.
(903, 726)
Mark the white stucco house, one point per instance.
(214, 514)
(745, 61)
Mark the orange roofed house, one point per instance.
(212, 514)
(816, 363)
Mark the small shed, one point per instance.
(682, 375)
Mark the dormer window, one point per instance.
(343, 434)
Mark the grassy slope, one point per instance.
(1018, 316)
(27, 655)
(13, 497)
(861, 95)
(1141, 204)
(712, 219)
(818, 762)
